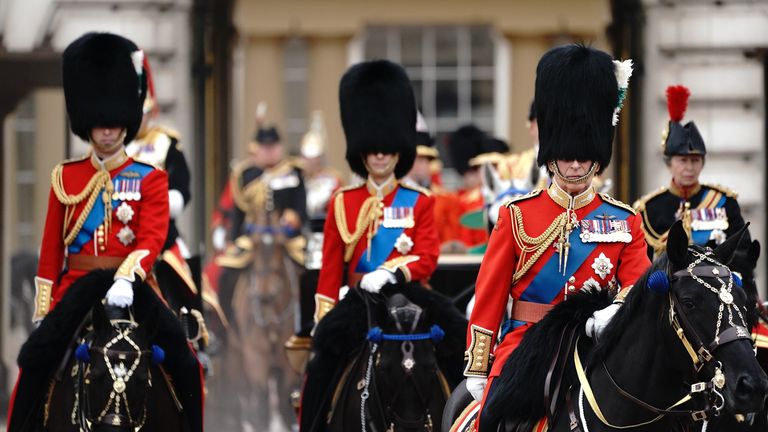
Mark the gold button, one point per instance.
(481, 344)
(572, 279)
(571, 288)
(480, 351)
(482, 338)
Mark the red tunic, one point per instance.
(133, 243)
(414, 262)
(616, 262)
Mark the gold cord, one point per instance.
(100, 180)
(536, 245)
(367, 220)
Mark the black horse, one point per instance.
(94, 368)
(384, 362)
(744, 262)
(675, 354)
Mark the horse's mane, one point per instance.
(632, 303)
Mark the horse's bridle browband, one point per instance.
(700, 353)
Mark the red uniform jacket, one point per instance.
(411, 255)
(607, 249)
(129, 238)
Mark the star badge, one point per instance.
(124, 213)
(126, 236)
(404, 244)
(602, 266)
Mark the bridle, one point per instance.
(116, 410)
(700, 353)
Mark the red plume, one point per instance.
(677, 102)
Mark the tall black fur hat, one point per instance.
(576, 95)
(378, 113)
(465, 143)
(104, 84)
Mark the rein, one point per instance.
(699, 352)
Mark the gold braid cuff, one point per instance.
(100, 180)
(400, 263)
(131, 266)
(323, 305)
(479, 355)
(622, 294)
(532, 248)
(367, 220)
(43, 293)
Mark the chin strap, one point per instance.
(552, 165)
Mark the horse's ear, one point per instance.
(754, 252)
(677, 244)
(726, 251)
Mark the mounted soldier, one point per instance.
(551, 243)
(710, 213)
(105, 211)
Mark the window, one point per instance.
(295, 75)
(24, 177)
(452, 69)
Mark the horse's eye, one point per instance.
(688, 304)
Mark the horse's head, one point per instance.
(116, 378)
(708, 309)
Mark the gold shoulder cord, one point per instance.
(535, 245)
(100, 180)
(367, 219)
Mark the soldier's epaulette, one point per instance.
(75, 159)
(613, 201)
(725, 190)
(515, 200)
(147, 164)
(639, 205)
(417, 188)
(173, 133)
(349, 188)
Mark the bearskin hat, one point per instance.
(576, 96)
(681, 140)
(378, 113)
(104, 84)
(464, 144)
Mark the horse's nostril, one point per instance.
(751, 386)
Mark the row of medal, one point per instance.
(127, 190)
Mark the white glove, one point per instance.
(175, 203)
(373, 281)
(476, 387)
(120, 294)
(219, 238)
(600, 320)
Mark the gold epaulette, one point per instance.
(725, 190)
(73, 160)
(173, 133)
(417, 188)
(517, 199)
(639, 205)
(348, 188)
(149, 164)
(613, 201)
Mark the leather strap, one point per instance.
(92, 262)
(529, 312)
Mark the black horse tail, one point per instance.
(517, 395)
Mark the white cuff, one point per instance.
(175, 203)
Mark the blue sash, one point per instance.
(702, 237)
(384, 241)
(96, 216)
(549, 282)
